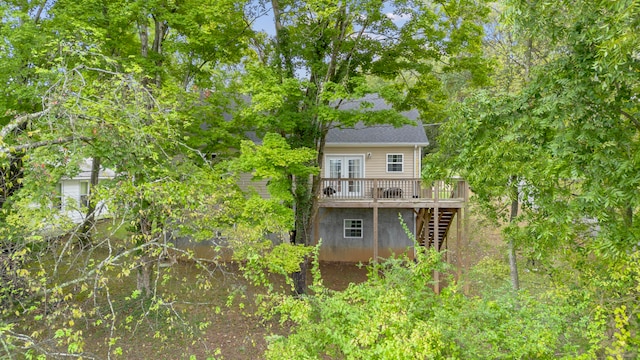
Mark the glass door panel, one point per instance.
(335, 172)
(345, 167)
(354, 172)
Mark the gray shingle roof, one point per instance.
(379, 134)
(85, 172)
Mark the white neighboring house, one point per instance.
(74, 193)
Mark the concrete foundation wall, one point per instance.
(391, 235)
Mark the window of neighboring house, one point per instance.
(352, 228)
(57, 197)
(84, 193)
(394, 163)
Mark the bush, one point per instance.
(395, 314)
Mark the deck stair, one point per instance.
(426, 226)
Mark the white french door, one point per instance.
(345, 167)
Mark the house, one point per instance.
(371, 176)
(73, 192)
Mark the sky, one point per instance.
(265, 22)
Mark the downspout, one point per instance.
(415, 151)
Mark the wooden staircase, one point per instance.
(425, 226)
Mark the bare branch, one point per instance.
(20, 120)
(108, 261)
(37, 144)
(30, 342)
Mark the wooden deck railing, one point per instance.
(407, 189)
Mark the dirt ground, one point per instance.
(242, 337)
(232, 332)
(229, 329)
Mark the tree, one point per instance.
(570, 135)
(325, 53)
(172, 48)
(97, 84)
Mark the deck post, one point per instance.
(374, 195)
(458, 242)
(436, 230)
(436, 235)
(375, 231)
(465, 233)
(316, 227)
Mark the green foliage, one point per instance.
(276, 161)
(282, 259)
(396, 315)
(145, 86)
(117, 81)
(563, 143)
(324, 54)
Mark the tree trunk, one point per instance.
(629, 216)
(143, 32)
(513, 264)
(161, 30)
(303, 222)
(90, 219)
(145, 263)
(300, 277)
(145, 272)
(282, 52)
(11, 177)
(152, 77)
(306, 192)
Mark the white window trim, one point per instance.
(363, 157)
(345, 228)
(389, 163)
(83, 199)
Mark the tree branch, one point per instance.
(36, 19)
(20, 120)
(341, 24)
(37, 144)
(30, 342)
(635, 121)
(347, 60)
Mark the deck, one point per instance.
(439, 207)
(392, 193)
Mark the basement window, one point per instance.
(353, 228)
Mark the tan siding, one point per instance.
(376, 165)
(260, 186)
